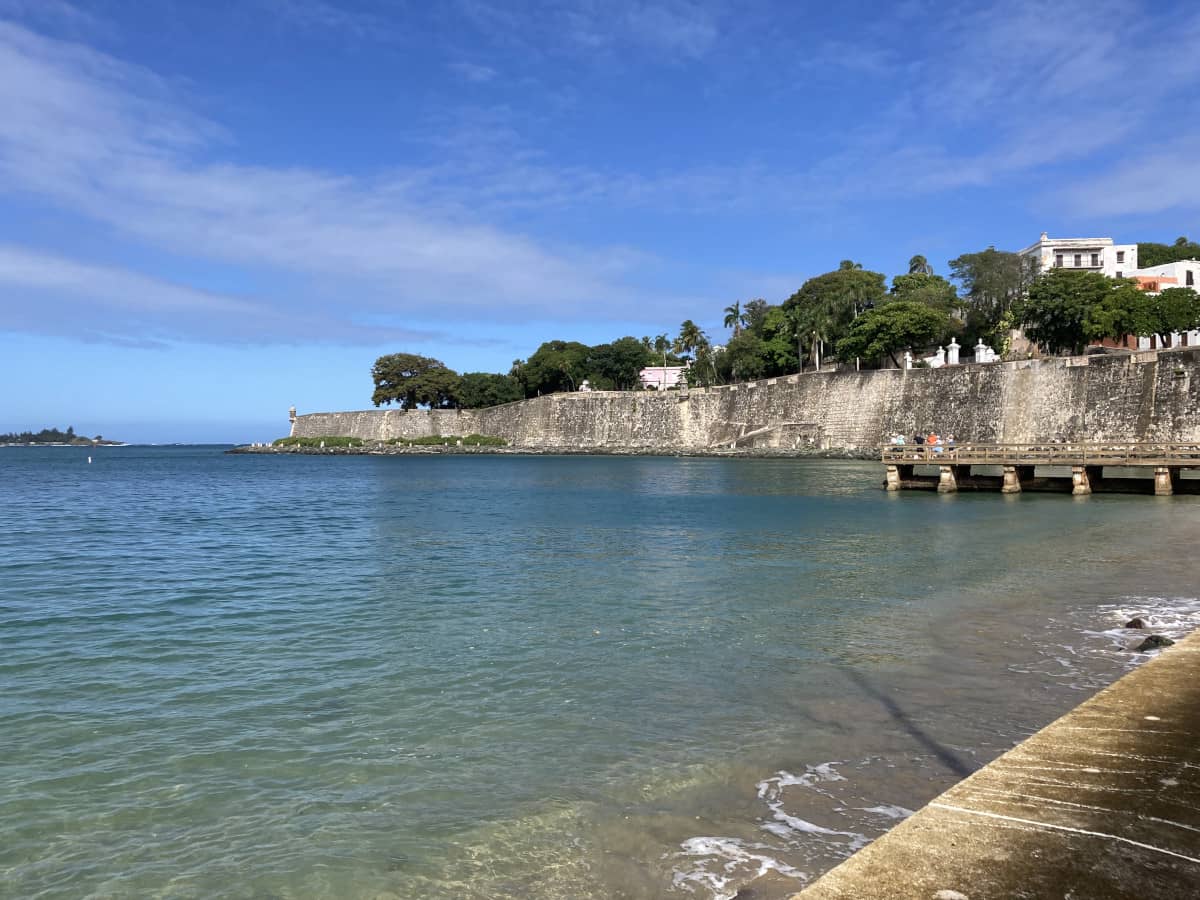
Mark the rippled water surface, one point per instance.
(492, 676)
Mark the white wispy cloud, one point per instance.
(54, 294)
(107, 140)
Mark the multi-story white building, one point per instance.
(1092, 254)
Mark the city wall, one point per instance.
(1150, 395)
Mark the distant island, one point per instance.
(54, 436)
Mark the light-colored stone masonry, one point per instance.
(1151, 395)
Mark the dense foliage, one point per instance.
(992, 281)
(893, 328)
(1066, 309)
(48, 436)
(848, 315)
(1160, 254)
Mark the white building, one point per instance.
(1093, 254)
(1185, 273)
(659, 378)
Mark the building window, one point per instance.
(1189, 278)
(1095, 260)
(1120, 256)
(1078, 260)
(1058, 260)
(1120, 274)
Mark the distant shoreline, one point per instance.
(66, 444)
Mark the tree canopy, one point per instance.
(410, 380)
(922, 287)
(891, 328)
(477, 390)
(826, 305)
(992, 281)
(617, 365)
(554, 366)
(1066, 309)
(1151, 254)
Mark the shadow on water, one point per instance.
(944, 754)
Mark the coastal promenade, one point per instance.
(1018, 463)
(1102, 803)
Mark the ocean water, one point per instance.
(494, 677)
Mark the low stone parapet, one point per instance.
(1104, 802)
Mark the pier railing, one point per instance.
(1046, 453)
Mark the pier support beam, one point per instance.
(1080, 480)
(893, 478)
(947, 482)
(1012, 481)
(1165, 478)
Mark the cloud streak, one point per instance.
(104, 139)
(52, 294)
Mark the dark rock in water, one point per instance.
(1154, 642)
(1137, 622)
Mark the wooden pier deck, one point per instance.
(1019, 462)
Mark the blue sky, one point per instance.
(211, 210)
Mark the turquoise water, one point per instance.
(251, 676)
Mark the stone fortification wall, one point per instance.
(1153, 395)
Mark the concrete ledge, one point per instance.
(1104, 802)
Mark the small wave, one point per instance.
(1091, 646)
(726, 861)
(717, 866)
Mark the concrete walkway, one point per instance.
(1104, 802)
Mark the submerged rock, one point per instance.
(1136, 622)
(1154, 642)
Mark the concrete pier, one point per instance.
(958, 467)
(1104, 802)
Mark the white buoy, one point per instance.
(89, 460)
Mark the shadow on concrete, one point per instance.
(945, 755)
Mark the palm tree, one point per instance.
(733, 317)
(919, 265)
(661, 345)
(690, 337)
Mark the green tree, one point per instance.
(919, 287)
(778, 332)
(891, 328)
(733, 317)
(1151, 254)
(747, 356)
(662, 344)
(477, 390)
(992, 282)
(555, 366)
(709, 366)
(411, 380)
(1178, 310)
(690, 338)
(1122, 310)
(1055, 312)
(618, 365)
(826, 305)
(754, 314)
(919, 265)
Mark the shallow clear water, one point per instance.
(524, 677)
